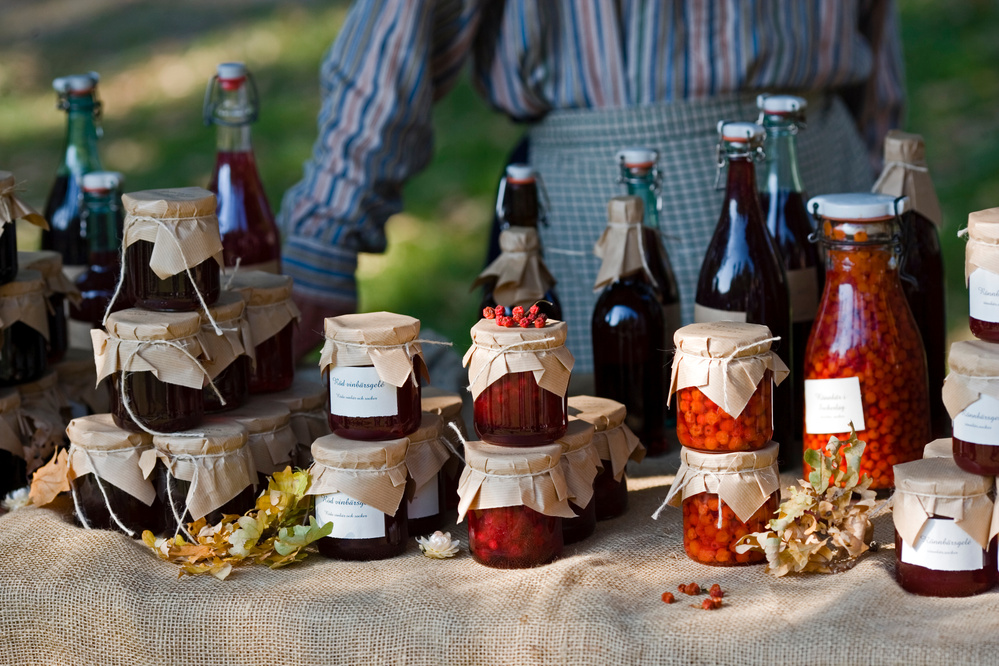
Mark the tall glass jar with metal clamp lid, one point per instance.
(865, 363)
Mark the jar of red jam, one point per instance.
(227, 353)
(425, 460)
(526, 406)
(724, 497)
(11, 210)
(981, 273)
(615, 445)
(58, 289)
(270, 438)
(24, 329)
(110, 490)
(173, 249)
(13, 474)
(448, 406)
(207, 473)
(371, 363)
(723, 376)
(154, 360)
(515, 500)
(77, 378)
(306, 400)
(42, 409)
(971, 394)
(580, 465)
(360, 487)
(272, 316)
(945, 543)
(864, 364)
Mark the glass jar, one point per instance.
(227, 362)
(372, 363)
(981, 273)
(939, 448)
(360, 487)
(711, 529)
(173, 249)
(13, 473)
(516, 408)
(425, 460)
(865, 362)
(24, 337)
(971, 392)
(42, 407)
(269, 435)
(8, 228)
(272, 316)
(580, 464)
(448, 406)
(77, 378)
(513, 537)
(306, 400)
(704, 425)
(58, 289)
(942, 518)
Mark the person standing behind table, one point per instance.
(590, 77)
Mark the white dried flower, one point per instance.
(439, 545)
(17, 499)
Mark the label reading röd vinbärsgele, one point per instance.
(831, 404)
(361, 392)
(983, 295)
(351, 518)
(943, 546)
(979, 422)
(426, 500)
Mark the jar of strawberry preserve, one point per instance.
(228, 352)
(306, 400)
(13, 474)
(864, 365)
(615, 445)
(156, 367)
(270, 438)
(580, 465)
(519, 378)
(724, 497)
(515, 500)
(372, 363)
(425, 460)
(945, 543)
(173, 249)
(272, 316)
(448, 406)
(981, 273)
(58, 289)
(110, 490)
(24, 329)
(360, 487)
(723, 376)
(971, 395)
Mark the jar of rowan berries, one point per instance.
(724, 497)
(865, 367)
(723, 376)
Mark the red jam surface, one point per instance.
(159, 406)
(932, 583)
(984, 330)
(703, 425)
(378, 548)
(233, 385)
(377, 428)
(23, 355)
(709, 540)
(275, 369)
(132, 513)
(981, 459)
(513, 537)
(609, 495)
(576, 529)
(515, 411)
(177, 292)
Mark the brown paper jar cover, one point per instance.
(236, 340)
(77, 377)
(386, 340)
(974, 372)
(743, 480)
(373, 473)
(269, 307)
(498, 351)
(725, 360)
(49, 264)
(12, 208)
(215, 460)
(937, 487)
(620, 245)
(614, 441)
(580, 461)
(180, 223)
(905, 174)
(23, 300)
(10, 422)
(306, 400)
(41, 403)
(499, 476)
(269, 435)
(98, 446)
(982, 250)
(448, 406)
(427, 454)
(519, 273)
(939, 448)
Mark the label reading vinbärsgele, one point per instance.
(351, 518)
(978, 423)
(983, 295)
(361, 392)
(943, 546)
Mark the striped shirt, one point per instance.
(394, 58)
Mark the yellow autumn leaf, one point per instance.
(50, 479)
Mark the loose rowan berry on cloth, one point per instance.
(668, 597)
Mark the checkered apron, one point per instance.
(574, 153)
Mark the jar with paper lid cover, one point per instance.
(526, 407)
(981, 273)
(939, 448)
(971, 394)
(13, 474)
(11, 210)
(425, 460)
(448, 406)
(945, 532)
(306, 400)
(154, 360)
(42, 407)
(360, 487)
(270, 438)
(515, 500)
(24, 331)
(58, 290)
(580, 465)
(109, 485)
(207, 473)
(227, 356)
(173, 249)
(77, 379)
(272, 316)
(723, 376)
(615, 445)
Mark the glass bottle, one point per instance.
(249, 233)
(783, 200)
(66, 234)
(742, 277)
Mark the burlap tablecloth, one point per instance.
(74, 597)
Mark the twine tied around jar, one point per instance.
(494, 353)
(193, 459)
(100, 486)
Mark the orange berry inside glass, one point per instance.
(705, 426)
(709, 540)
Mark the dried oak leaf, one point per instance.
(50, 479)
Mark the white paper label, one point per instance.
(351, 519)
(704, 314)
(361, 392)
(983, 295)
(803, 289)
(831, 404)
(979, 422)
(943, 546)
(426, 500)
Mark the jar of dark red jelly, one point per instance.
(227, 357)
(524, 407)
(25, 329)
(154, 361)
(77, 379)
(13, 474)
(306, 400)
(110, 491)
(425, 460)
(272, 316)
(580, 464)
(173, 249)
(448, 406)
(971, 394)
(269, 436)
(360, 487)
(943, 542)
(372, 364)
(207, 473)
(58, 288)
(981, 273)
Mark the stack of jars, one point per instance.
(727, 485)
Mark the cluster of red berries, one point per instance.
(713, 602)
(516, 316)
